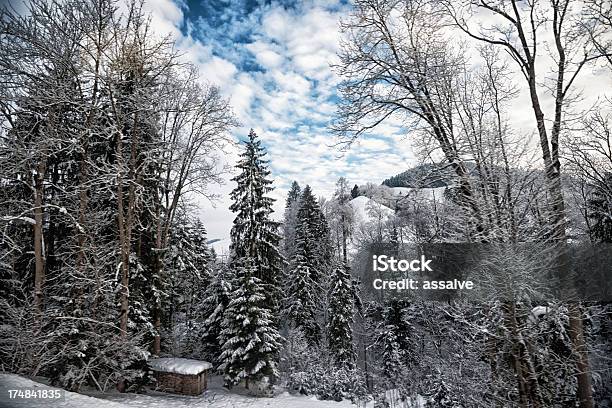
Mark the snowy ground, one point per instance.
(216, 396)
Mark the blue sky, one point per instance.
(272, 59)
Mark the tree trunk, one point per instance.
(157, 308)
(157, 325)
(39, 271)
(557, 217)
(528, 386)
(576, 331)
(123, 314)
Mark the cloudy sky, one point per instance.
(272, 59)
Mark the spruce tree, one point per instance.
(187, 268)
(600, 211)
(293, 197)
(215, 300)
(342, 298)
(249, 335)
(250, 339)
(302, 294)
(392, 357)
(312, 235)
(394, 337)
(254, 234)
(397, 316)
(292, 206)
(308, 265)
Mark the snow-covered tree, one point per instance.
(305, 278)
(249, 336)
(303, 299)
(254, 233)
(216, 297)
(188, 272)
(600, 210)
(392, 357)
(292, 206)
(250, 339)
(102, 134)
(341, 317)
(341, 217)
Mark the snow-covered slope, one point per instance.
(436, 193)
(366, 209)
(215, 397)
(401, 191)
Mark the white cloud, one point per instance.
(218, 71)
(283, 103)
(266, 54)
(166, 17)
(310, 38)
(372, 144)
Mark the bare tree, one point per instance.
(195, 122)
(39, 55)
(397, 62)
(588, 153)
(597, 22)
(521, 33)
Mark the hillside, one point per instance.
(424, 175)
(367, 209)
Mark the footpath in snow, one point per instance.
(216, 396)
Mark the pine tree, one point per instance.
(307, 268)
(355, 191)
(250, 339)
(292, 206)
(254, 234)
(249, 335)
(293, 197)
(216, 299)
(600, 211)
(302, 298)
(342, 299)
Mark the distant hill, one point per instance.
(424, 175)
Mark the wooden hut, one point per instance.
(180, 375)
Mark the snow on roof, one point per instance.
(179, 365)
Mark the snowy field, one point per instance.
(216, 396)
